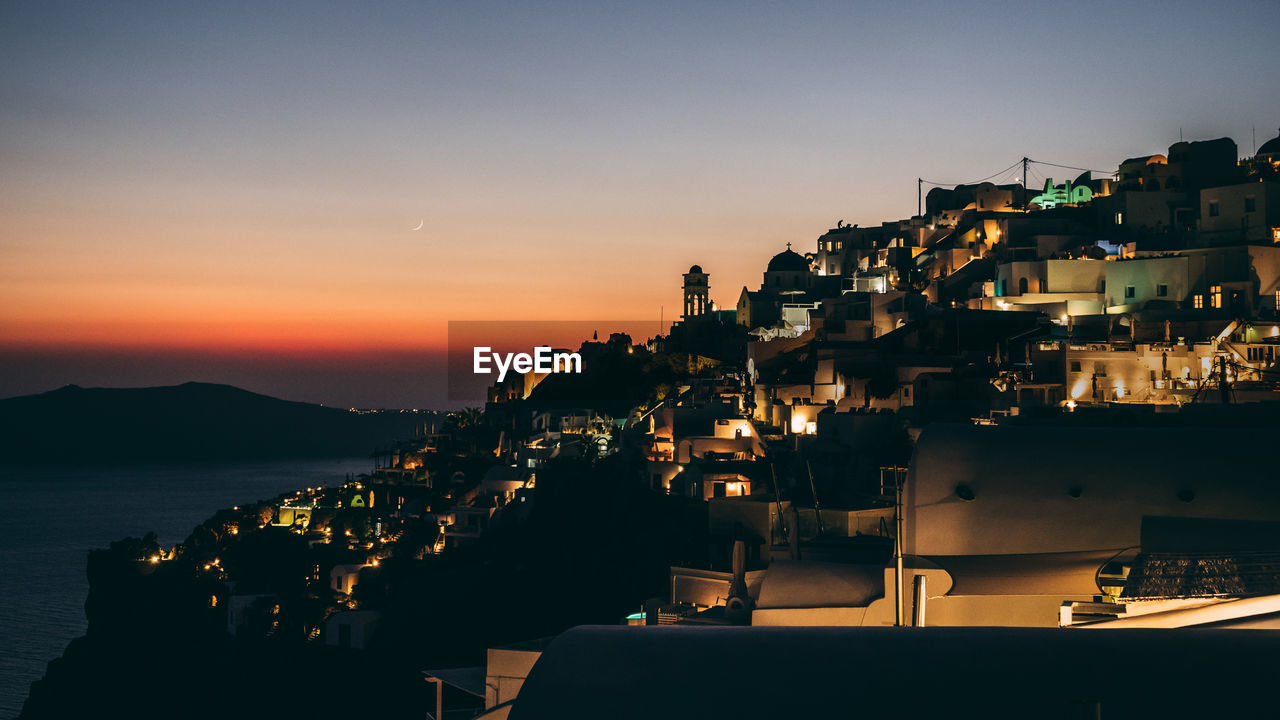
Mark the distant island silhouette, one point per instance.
(185, 423)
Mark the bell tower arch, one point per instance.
(697, 292)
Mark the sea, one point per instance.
(51, 517)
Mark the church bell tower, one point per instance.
(697, 292)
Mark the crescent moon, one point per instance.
(420, 224)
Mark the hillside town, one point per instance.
(1038, 407)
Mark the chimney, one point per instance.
(738, 607)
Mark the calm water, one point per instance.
(49, 519)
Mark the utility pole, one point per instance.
(919, 197)
(813, 489)
(1024, 181)
(899, 605)
(777, 502)
(1223, 389)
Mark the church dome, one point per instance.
(788, 261)
(1270, 147)
(695, 269)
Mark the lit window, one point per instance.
(1119, 218)
(1215, 296)
(1197, 301)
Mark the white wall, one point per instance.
(1021, 478)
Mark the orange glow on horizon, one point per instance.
(221, 275)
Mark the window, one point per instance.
(1162, 291)
(1213, 208)
(1044, 285)
(1100, 369)
(1197, 301)
(1250, 204)
(1075, 366)
(1022, 286)
(1215, 296)
(1129, 292)
(1119, 218)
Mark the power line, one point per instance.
(973, 182)
(1013, 168)
(1071, 167)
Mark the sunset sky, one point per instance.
(227, 192)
